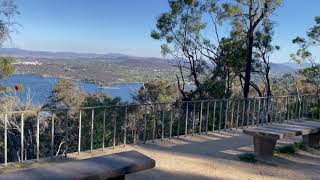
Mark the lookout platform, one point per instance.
(209, 156)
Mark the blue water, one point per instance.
(39, 88)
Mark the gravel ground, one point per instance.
(213, 156)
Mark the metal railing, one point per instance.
(58, 132)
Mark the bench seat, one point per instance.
(265, 137)
(114, 166)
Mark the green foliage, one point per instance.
(255, 29)
(157, 91)
(291, 148)
(8, 9)
(199, 59)
(248, 157)
(314, 111)
(65, 95)
(304, 53)
(6, 67)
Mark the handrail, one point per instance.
(188, 118)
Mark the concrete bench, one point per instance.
(114, 166)
(265, 137)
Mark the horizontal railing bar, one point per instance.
(154, 104)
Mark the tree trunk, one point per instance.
(248, 69)
(268, 85)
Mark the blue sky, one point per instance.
(124, 26)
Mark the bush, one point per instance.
(248, 157)
(291, 148)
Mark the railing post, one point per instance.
(194, 117)
(154, 124)
(297, 107)
(264, 111)
(307, 107)
(38, 136)
(67, 132)
(5, 140)
(271, 109)
(52, 134)
(254, 115)
(226, 115)
(220, 115)
(259, 112)
(292, 108)
(232, 113)
(171, 122)
(22, 136)
(104, 128)
(243, 112)
(178, 130)
(288, 108)
(207, 118)
(312, 105)
(186, 123)
(145, 124)
(200, 120)
(134, 131)
(162, 123)
(300, 100)
(248, 112)
(125, 126)
(92, 122)
(79, 135)
(214, 115)
(114, 130)
(280, 108)
(238, 111)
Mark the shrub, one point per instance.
(291, 148)
(248, 157)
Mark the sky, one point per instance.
(124, 26)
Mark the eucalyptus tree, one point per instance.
(8, 10)
(246, 17)
(263, 48)
(304, 54)
(199, 55)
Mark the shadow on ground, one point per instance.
(218, 152)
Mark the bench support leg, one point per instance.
(264, 146)
(311, 139)
(118, 178)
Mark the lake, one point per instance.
(40, 88)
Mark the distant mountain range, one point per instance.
(276, 68)
(15, 52)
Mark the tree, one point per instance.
(65, 95)
(304, 54)
(7, 11)
(200, 59)
(65, 100)
(158, 91)
(157, 96)
(264, 48)
(246, 17)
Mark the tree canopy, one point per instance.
(304, 53)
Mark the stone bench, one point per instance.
(114, 166)
(265, 137)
